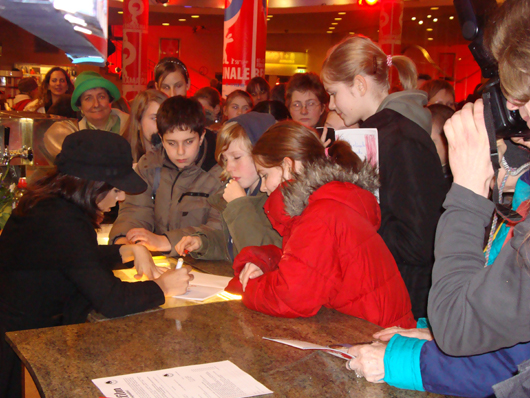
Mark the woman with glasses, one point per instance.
(306, 99)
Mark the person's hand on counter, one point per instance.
(189, 243)
(251, 271)
(175, 282)
(143, 261)
(154, 242)
(419, 333)
(369, 361)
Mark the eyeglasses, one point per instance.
(309, 105)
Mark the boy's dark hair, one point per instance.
(275, 108)
(182, 113)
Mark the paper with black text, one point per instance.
(210, 380)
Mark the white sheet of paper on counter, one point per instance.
(210, 380)
(203, 286)
(341, 352)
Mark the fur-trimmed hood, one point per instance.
(340, 185)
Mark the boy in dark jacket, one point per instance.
(175, 203)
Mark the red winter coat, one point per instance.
(332, 254)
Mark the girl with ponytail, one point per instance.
(355, 75)
(321, 202)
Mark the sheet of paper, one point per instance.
(364, 143)
(210, 380)
(304, 345)
(203, 286)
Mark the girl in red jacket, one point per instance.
(332, 255)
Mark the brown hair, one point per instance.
(133, 128)
(358, 55)
(239, 93)
(182, 113)
(297, 142)
(258, 84)
(304, 82)
(85, 194)
(169, 65)
(210, 94)
(45, 95)
(432, 87)
(508, 38)
(229, 133)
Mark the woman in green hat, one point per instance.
(93, 96)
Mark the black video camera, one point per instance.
(500, 121)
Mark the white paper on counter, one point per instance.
(341, 352)
(210, 380)
(203, 286)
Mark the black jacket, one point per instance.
(412, 189)
(53, 273)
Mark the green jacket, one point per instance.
(244, 220)
(180, 206)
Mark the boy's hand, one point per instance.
(233, 191)
(189, 243)
(251, 271)
(141, 236)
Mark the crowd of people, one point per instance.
(248, 179)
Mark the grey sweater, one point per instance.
(473, 309)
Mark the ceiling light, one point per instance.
(428, 16)
(451, 17)
(460, 59)
(342, 13)
(182, 20)
(334, 23)
(120, 12)
(331, 27)
(195, 16)
(270, 16)
(338, 19)
(329, 31)
(435, 8)
(429, 29)
(165, 5)
(352, 33)
(430, 39)
(435, 20)
(165, 24)
(420, 22)
(413, 18)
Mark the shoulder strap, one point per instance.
(156, 181)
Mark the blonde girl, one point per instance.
(141, 130)
(355, 74)
(240, 203)
(237, 103)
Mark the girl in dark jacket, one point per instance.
(53, 271)
(331, 254)
(413, 188)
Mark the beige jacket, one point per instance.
(180, 205)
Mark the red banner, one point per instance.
(390, 28)
(135, 27)
(245, 35)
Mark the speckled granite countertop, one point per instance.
(63, 360)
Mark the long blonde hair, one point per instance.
(133, 130)
(229, 133)
(358, 55)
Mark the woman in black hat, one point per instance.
(53, 271)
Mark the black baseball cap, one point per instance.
(98, 155)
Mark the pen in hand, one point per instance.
(180, 261)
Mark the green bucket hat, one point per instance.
(89, 80)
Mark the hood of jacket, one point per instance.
(324, 180)
(411, 104)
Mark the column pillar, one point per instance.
(135, 27)
(245, 36)
(390, 28)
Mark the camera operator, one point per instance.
(473, 309)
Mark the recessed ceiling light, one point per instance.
(120, 12)
(334, 23)
(428, 16)
(420, 22)
(331, 27)
(460, 59)
(338, 19)
(413, 18)
(182, 20)
(352, 33)
(430, 39)
(165, 5)
(329, 31)
(165, 24)
(435, 20)
(195, 16)
(435, 8)
(342, 13)
(451, 17)
(429, 29)
(270, 16)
